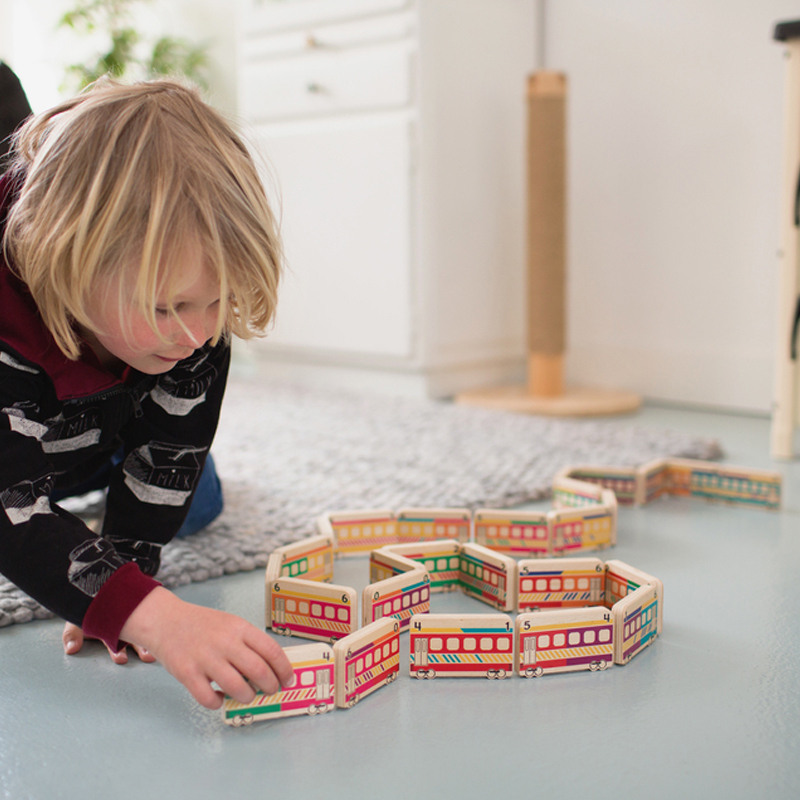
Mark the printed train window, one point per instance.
(307, 678)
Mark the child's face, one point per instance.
(196, 298)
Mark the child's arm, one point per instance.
(198, 645)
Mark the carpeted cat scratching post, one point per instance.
(545, 392)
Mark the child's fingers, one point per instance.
(120, 657)
(144, 654)
(255, 670)
(232, 683)
(271, 652)
(199, 687)
(72, 637)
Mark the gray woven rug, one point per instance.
(286, 455)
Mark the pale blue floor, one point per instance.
(711, 710)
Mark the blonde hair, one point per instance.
(126, 172)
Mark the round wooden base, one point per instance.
(574, 402)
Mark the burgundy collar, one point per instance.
(22, 329)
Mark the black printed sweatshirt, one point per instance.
(60, 421)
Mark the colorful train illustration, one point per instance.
(617, 615)
(326, 677)
(684, 477)
(359, 532)
(574, 613)
(312, 610)
(311, 692)
(583, 519)
(461, 645)
(399, 597)
(564, 641)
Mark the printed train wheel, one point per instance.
(501, 674)
(537, 672)
(242, 720)
(530, 673)
(603, 665)
(431, 674)
(312, 710)
(594, 666)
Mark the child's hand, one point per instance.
(198, 645)
(73, 642)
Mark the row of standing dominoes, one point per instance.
(565, 639)
(326, 677)
(684, 477)
(301, 601)
(568, 633)
(564, 635)
(585, 518)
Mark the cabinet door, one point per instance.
(345, 192)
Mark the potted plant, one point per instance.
(129, 54)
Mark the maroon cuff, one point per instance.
(115, 602)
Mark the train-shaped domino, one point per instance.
(326, 677)
(583, 518)
(574, 613)
(683, 477)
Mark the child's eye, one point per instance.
(162, 312)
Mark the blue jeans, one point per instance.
(206, 504)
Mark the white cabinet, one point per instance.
(347, 249)
(394, 134)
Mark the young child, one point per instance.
(136, 238)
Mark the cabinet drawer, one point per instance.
(382, 29)
(262, 16)
(327, 82)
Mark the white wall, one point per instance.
(674, 144)
(675, 124)
(38, 53)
